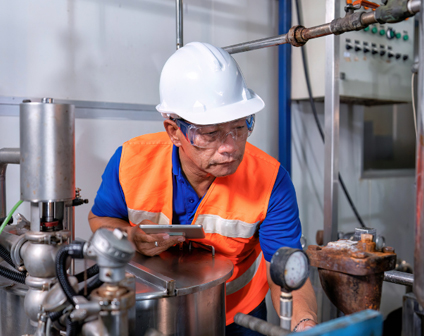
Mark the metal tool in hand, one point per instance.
(289, 270)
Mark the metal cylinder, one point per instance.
(47, 136)
(419, 228)
(179, 19)
(286, 310)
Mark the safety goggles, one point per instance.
(212, 136)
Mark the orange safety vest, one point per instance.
(230, 212)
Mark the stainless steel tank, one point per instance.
(181, 292)
(47, 140)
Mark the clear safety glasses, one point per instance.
(212, 136)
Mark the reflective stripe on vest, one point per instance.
(227, 227)
(137, 216)
(245, 278)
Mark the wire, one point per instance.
(414, 112)
(314, 111)
(6, 220)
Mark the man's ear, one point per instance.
(173, 131)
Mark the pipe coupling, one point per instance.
(294, 36)
(348, 23)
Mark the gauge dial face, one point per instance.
(296, 270)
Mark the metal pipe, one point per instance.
(257, 44)
(318, 31)
(179, 15)
(313, 32)
(284, 88)
(414, 6)
(7, 156)
(259, 325)
(332, 117)
(400, 278)
(419, 228)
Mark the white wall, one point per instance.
(387, 204)
(113, 51)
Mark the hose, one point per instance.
(12, 275)
(92, 285)
(56, 315)
(88, 273)
(314, 111)
(6, 220)
(73, 250)
(71, 327)
(4, 253)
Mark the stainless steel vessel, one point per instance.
(181, 292)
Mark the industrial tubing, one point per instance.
(71, 327)
(75, 251)
(259, 325)
(12, 275)
(88, 273)
(394, 11)
(4, 253)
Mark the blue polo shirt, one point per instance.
(281, 226)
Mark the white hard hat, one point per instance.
(204, 85)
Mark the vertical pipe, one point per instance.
(284, 87)
(179, 16)
(332, 111)
(419, 229)
(7, 156)
(331, 155)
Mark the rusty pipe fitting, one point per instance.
(352, 272)
(295, 37)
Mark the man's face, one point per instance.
(224, 150)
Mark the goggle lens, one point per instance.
(212, 136)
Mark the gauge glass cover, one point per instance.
(296, 270)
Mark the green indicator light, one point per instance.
(392, 34)
(398, 35)
(366, 28)
(405, 37)
(382, 32)
(374, 30)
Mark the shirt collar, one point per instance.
(176, 165)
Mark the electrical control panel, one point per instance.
(374, 63)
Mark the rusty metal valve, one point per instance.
(352, 272)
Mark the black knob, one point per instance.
(390, 33)
(405, 57)
(348, 46)
(398, 56)
(390, 54)
(374, 51)
(358, 48)
(382, 52)
(366, 49)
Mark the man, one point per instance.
(203, 171)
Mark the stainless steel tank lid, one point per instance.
(177, 272)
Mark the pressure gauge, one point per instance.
(289, 268)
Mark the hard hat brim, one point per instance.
(221, 114)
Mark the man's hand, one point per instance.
(151, 244)
(144, 243)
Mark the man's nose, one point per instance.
(228, 144)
